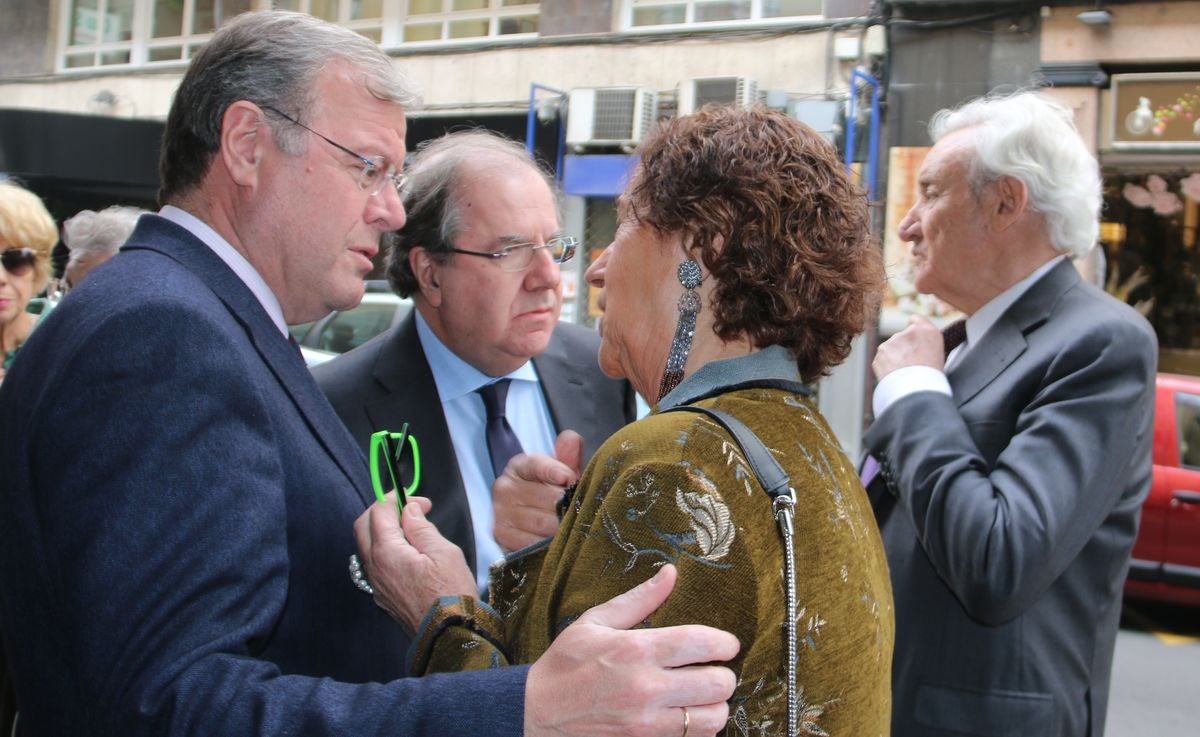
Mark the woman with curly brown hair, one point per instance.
(742, 266)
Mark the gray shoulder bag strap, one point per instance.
(777, 484)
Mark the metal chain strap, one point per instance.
(784, 504)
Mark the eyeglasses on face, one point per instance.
(376, 172)
(519, 256)
(18, 261)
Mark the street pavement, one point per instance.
(1156, 673)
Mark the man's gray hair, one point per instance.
(89, 232)
(1028, 136)
(271, 58)
(436, 174)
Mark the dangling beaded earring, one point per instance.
(685, 329)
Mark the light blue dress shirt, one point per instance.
(466, 419)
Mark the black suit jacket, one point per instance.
(387, 381)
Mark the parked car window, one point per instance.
(339, 332)
(299, 331)
(352, 328)
(1187, 415)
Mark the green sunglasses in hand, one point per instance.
(387, 449)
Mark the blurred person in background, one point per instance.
(27, 234)
(94, 237)
(742, 266)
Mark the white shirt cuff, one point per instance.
(908, 380)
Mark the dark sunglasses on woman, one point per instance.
(18, 261)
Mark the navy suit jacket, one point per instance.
(1008, 512)
(176, 509)
(387, 381)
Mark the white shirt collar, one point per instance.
(985, 317)
(232, 258)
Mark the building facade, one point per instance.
(1131, 73)
(86, 84)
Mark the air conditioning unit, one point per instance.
(823, 116)
(694, 93)
(609, 117)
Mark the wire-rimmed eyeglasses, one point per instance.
(377, 171)
(519, 256)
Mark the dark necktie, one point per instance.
(954, 334)
(501, 440)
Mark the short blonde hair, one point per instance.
(25, 223)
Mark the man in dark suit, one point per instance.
(477, 204)
(1008, 486)
(177, 496)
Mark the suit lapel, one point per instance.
(162, 236)
(1006, 340)
(409, 392)
(571, 406)
(983, 363)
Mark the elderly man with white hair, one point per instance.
(1007, 472)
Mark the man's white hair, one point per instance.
(1028, 136)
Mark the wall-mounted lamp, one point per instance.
(1095, 17)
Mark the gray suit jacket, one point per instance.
(1008, 512)
(387, 381)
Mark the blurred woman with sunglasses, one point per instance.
(27, 233)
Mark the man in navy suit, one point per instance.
(1007, 477)
(479, 254)
(177, 496)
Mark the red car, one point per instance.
(1166, 555)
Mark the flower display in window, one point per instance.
(1191, 186)
(1153, 196)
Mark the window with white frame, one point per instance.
(114, 33)
(364, 16)
(451, 20)
(106, 33)
(667, 13)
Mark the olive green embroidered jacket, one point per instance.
(675, 488)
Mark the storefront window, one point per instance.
(1149, 238)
